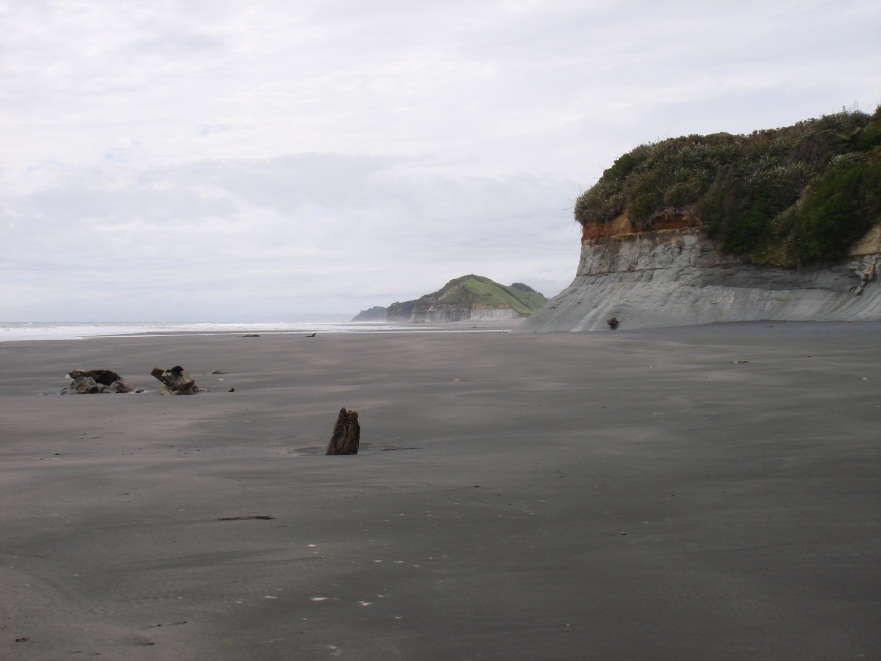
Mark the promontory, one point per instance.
(780, 224)
(470, 297)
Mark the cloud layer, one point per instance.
(225, 161)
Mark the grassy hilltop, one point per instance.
(789, 196)
(471, 290)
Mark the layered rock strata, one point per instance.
(677, 277)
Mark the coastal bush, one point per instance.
(837, 209)
(789, 196)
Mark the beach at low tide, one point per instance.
(710, 492)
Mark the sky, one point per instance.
(219, 160)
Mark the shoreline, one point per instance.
(687, 492)
(55, 331)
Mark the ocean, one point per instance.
(62, 330)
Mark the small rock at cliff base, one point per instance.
(346, 434)
(176, 381)
(87, 382)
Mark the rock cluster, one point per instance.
(176, 381)
(88, 382)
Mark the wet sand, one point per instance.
(688, 493)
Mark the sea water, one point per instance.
(62, 330)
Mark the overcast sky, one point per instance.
(220, 160)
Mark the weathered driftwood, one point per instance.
(346, 434)
(87, 382)
(176, 381)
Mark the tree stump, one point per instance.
(346, 434)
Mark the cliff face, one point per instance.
(775, 201)
(676, 277)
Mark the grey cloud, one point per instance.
(252, 229)
(284, 153)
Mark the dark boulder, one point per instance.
(88, 382)
(176, 381)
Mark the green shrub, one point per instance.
(794, 195)
(839, 208)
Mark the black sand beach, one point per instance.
(684, 493)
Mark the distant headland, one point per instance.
(468, 297)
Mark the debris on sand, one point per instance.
(88, 382)
(346, 434)
(176, 381)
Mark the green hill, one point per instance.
(788, 196)
(470, 296)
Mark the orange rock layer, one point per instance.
(622, 226)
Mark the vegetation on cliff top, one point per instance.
(789, 196)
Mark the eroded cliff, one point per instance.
(674, 277)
